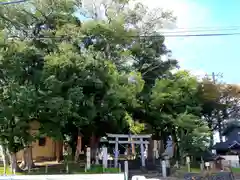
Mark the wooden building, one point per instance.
(44, 148)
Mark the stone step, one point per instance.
(154, 176)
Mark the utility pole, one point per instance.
(219, 122)
(214, 76)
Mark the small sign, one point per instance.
(188, 159)
(207, 164)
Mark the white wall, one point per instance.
(231, 160)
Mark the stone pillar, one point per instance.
(88, 154)
(105, 157)
(142, 153)
(116, 153)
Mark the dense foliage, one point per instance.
(96, 76)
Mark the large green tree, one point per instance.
(78, 87)
(175, 110)
(94, 76)
(85, 93)
(20, 66)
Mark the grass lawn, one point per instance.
(193, 170)
(197, 170)
(8, 171)
(236, 170)
(183, 170)
(60, 169)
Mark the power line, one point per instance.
(207, 27)
(184, 30)
(12, 2)
(140, 36)
(214, 76)
(165, 34)
(194, 35)
(202, 35)
(201, 30)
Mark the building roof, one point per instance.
(227, 145)
(207, 155)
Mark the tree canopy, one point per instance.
(99, 75)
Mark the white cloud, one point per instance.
(198, 73)
(189, 14)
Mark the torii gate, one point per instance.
(143, 140)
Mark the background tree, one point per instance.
(220, 103)
(93, 94)
(19, 78)
(105, 74)
(175, 111)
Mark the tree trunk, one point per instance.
(30, 163)
(177, 155)
(14, 166)
(176, 150)
(27, 161)
(73, 150)
(23, 164)
(161, 147)
(162, 143)
(94, 143)
(78, 149)
(59, 151)
(150, 155)
(5, 158)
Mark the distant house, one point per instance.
(232, 141)
(44, 148)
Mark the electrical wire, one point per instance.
(184, 30)
(197, 35)
(201, 30)
(166, 33)
(150, 36)
(13, 2)
(208, 27)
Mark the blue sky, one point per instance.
(208, 54)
